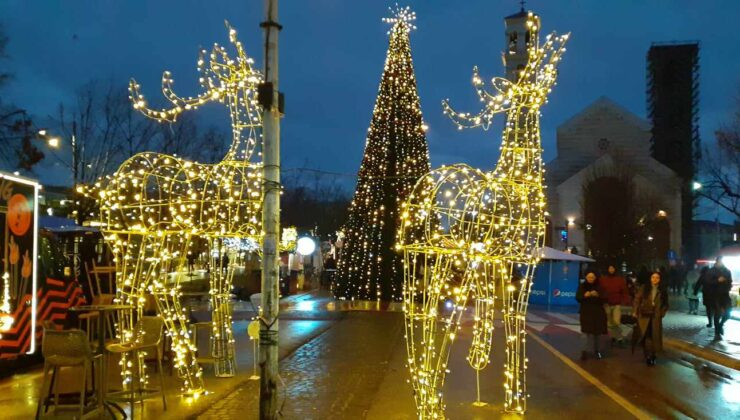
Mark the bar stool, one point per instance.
(147, 336)
(65, 348)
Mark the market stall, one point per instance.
(556, 278)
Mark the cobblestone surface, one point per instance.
(333, 376)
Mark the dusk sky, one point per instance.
(332, 54)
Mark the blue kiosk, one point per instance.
(556, 278)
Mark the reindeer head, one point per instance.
(226, 80)
(530, 91)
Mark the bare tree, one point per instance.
(17, 133)
(107, 130)
(212, 144)
(721, 167)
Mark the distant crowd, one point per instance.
(602, 296)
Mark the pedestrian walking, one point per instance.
(649, 307)
(674, 280)
(616, 294)
(592, 314)
(708, 294)
(721, 278)
(696, 277)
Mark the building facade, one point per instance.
(606, 140)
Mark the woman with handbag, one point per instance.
(650, 306)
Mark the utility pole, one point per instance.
(269, 99)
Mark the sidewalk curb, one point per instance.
(702, 352)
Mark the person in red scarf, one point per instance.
(617, 294)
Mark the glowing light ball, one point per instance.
(306, 246)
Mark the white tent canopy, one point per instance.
(547, 253)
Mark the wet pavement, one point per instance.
(19, 393)
(345, 360)
(681, 385)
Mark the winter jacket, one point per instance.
(615, 287)
(592, 313)
(722, 299)
(650, 312)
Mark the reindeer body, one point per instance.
(155, 204)
(467, 232)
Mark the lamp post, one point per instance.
(55, 142)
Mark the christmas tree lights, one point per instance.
(156, 204)
(472, 236)
(396, 156)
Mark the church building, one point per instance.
(604, 184)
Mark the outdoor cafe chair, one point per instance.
(61, 349)
(147, 337)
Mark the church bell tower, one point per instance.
(521, 29)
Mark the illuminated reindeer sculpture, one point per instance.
(155, 204)
(466, 232)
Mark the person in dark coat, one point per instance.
(707, 294)
(721, 279)
(592, 314)
(650, 306)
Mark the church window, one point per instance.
(512, 43)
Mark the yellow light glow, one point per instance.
(155, 206)
(396, 155)
(469, 232)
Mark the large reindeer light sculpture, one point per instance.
(155, 204)
(466, 231)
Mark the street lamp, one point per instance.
(696, 186)
(55, 142)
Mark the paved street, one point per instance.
(345, 360)
(355, 369)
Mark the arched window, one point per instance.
(512, 42)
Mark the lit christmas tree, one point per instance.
(396, 156)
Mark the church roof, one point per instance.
(653, 170)
(604, 102)
(519, 14)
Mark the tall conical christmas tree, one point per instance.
(396, 156)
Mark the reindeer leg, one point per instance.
(480, 348)
(428, 349)
(516, 295)
(222, 337)
(130, 279)
(175, 318)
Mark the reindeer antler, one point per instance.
(531, 89)
(221, 74)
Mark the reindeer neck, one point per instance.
(245, 134)
(521, 153)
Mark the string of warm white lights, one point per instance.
(156, 204)
(465, 232)
(396, 155)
